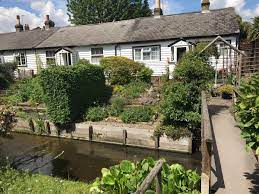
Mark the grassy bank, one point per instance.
(13, 181)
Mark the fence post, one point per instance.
(157, 140)
(125, 137)
(91, 130)
(47, 126)
(31, 125)
(159, 183)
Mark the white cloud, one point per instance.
(240, 6)
(36, 19)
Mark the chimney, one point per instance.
(26, 27)
(158, 11)
(18, 26)
(48, 23)
(205, 6)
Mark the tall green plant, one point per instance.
(248, 112)
(127, 176)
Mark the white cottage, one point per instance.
(157, 41)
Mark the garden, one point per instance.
(119, 90)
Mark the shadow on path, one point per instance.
(214, 110)
(254, 179)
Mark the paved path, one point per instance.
(235, 171)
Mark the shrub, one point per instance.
(121, 70)
(127, 177)
(248, 112)
(117, 106)
(7, 120)
(134, 89)
(137, 114)
(193, 69)
(97, 114)
(69, 91)
(181, 105)
(226, 89)
(6, 74)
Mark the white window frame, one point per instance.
(147, 49)
(51, 57)
(21, 56)
(97, 55)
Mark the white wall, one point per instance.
(126, 50)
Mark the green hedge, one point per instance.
(137, 114)
(121, 70)
(6, 74)
(70, 90)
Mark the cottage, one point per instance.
(157, 41)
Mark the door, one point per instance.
(180, 52)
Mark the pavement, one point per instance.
(234, 170)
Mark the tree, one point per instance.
(254, 31)
(83, 12)
(245, 28)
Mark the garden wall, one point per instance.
(137, 135)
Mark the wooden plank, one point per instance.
(159, 187)
(151, 176)
(207, 136)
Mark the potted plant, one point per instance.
(226, 91)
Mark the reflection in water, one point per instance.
(79, 160)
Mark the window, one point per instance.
(50, 58)
(20, 58)
(147, 53)
(97, 55)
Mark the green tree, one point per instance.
(245, 28)
(254, 30)
(83, 12)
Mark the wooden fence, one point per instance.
(206, 146)
(155, 173)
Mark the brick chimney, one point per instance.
(26, 27)
(18, 25)
(48, 23)
(205, 6)
(158, 11)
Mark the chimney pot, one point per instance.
(48, 23)
(18, 26)
(26, 27)
(158, 11)
(205, 6)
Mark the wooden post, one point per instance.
(150, 177)
(159, 183)
(157, 140)
(124, 137)
(47, 127)
(31, 125)
(91, 130)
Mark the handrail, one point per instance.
(154, 173)
(206, 146)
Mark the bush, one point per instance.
(193, 69)
(181, 105)
(134, 89)
(117, 106)
(121, 70)
(97, 114)
(127, 177)
(6, 74)
(7, 120)
(69, 91)
(137, 114)
(173, 132)
(248, 112)
(26, 90)
(226, 89)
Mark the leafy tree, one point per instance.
(82, 12)
(245, 27)
(254, 31)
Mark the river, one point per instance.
(78, 160)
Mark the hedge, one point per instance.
(69, 91)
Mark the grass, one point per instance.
(13, 181)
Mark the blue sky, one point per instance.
(33, 11)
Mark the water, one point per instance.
(78, 160)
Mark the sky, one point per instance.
(32, 12)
